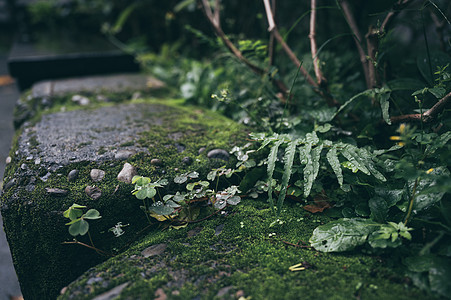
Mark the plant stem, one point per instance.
(412, 198)
(90, 247)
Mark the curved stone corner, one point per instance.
(52, 168)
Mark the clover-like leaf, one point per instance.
(92, 214)
(80, 227)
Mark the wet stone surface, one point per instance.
(97, 135)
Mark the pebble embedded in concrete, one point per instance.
(97, 175)
(93, 192)
(218, 154)
(57, 191)
(127, 173)
(73, 174)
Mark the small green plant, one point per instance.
(78, 224)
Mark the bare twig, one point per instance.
(320, 79)
(273, 29)
(357, 39)
(397, 7)
(271, 38)
(372, 45)
(217, 17)
(428, 116)
(235, 51)
(90, 247)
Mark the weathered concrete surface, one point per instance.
(74, 136)
(112, 83)
(9, 286)
(40, 183)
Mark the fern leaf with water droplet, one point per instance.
(334, 163)
(271, 165)
(287, 170)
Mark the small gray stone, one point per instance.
(8, 160)
(10, 184)
(127, 173)
(94, 280)
(218, 154)
(57, 191)
(156, 162)
(187, 160)
(93, 192)
(202, 150)
(73, 175)
(113, 293)
(97, 175)
(83, 101)
(154, 250)
(123, 154)
(45, 177)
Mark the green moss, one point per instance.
(246, 259)
(33, 218)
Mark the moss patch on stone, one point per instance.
(243, 253)
(33, 217)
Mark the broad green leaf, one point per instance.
(180, 179)
(390, 196)
(234, 200)
(141, 194)
(342, 235)
(442, 141)
(79, 228)
(160, 209)
(385, 105)
(334, 163)
(425, 200)
(271, 165)
(438, 92)
(287, 169)
(92, 214)
(379, 209)
(351, 153)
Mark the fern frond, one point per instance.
(287, 170)
(271, 165)
(352, 154)
(334, 163)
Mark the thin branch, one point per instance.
(235, 51)
(428, 116)
(217, 17)
(357, 39)
(271, 38)
(320, 79)
(285, 47)
(372, 45)
(397, 7)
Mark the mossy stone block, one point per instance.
(243, 254)
(67, 137)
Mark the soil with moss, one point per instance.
(103, 135)
(241, 254)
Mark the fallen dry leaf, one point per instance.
(320, 203)
(5, 80)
